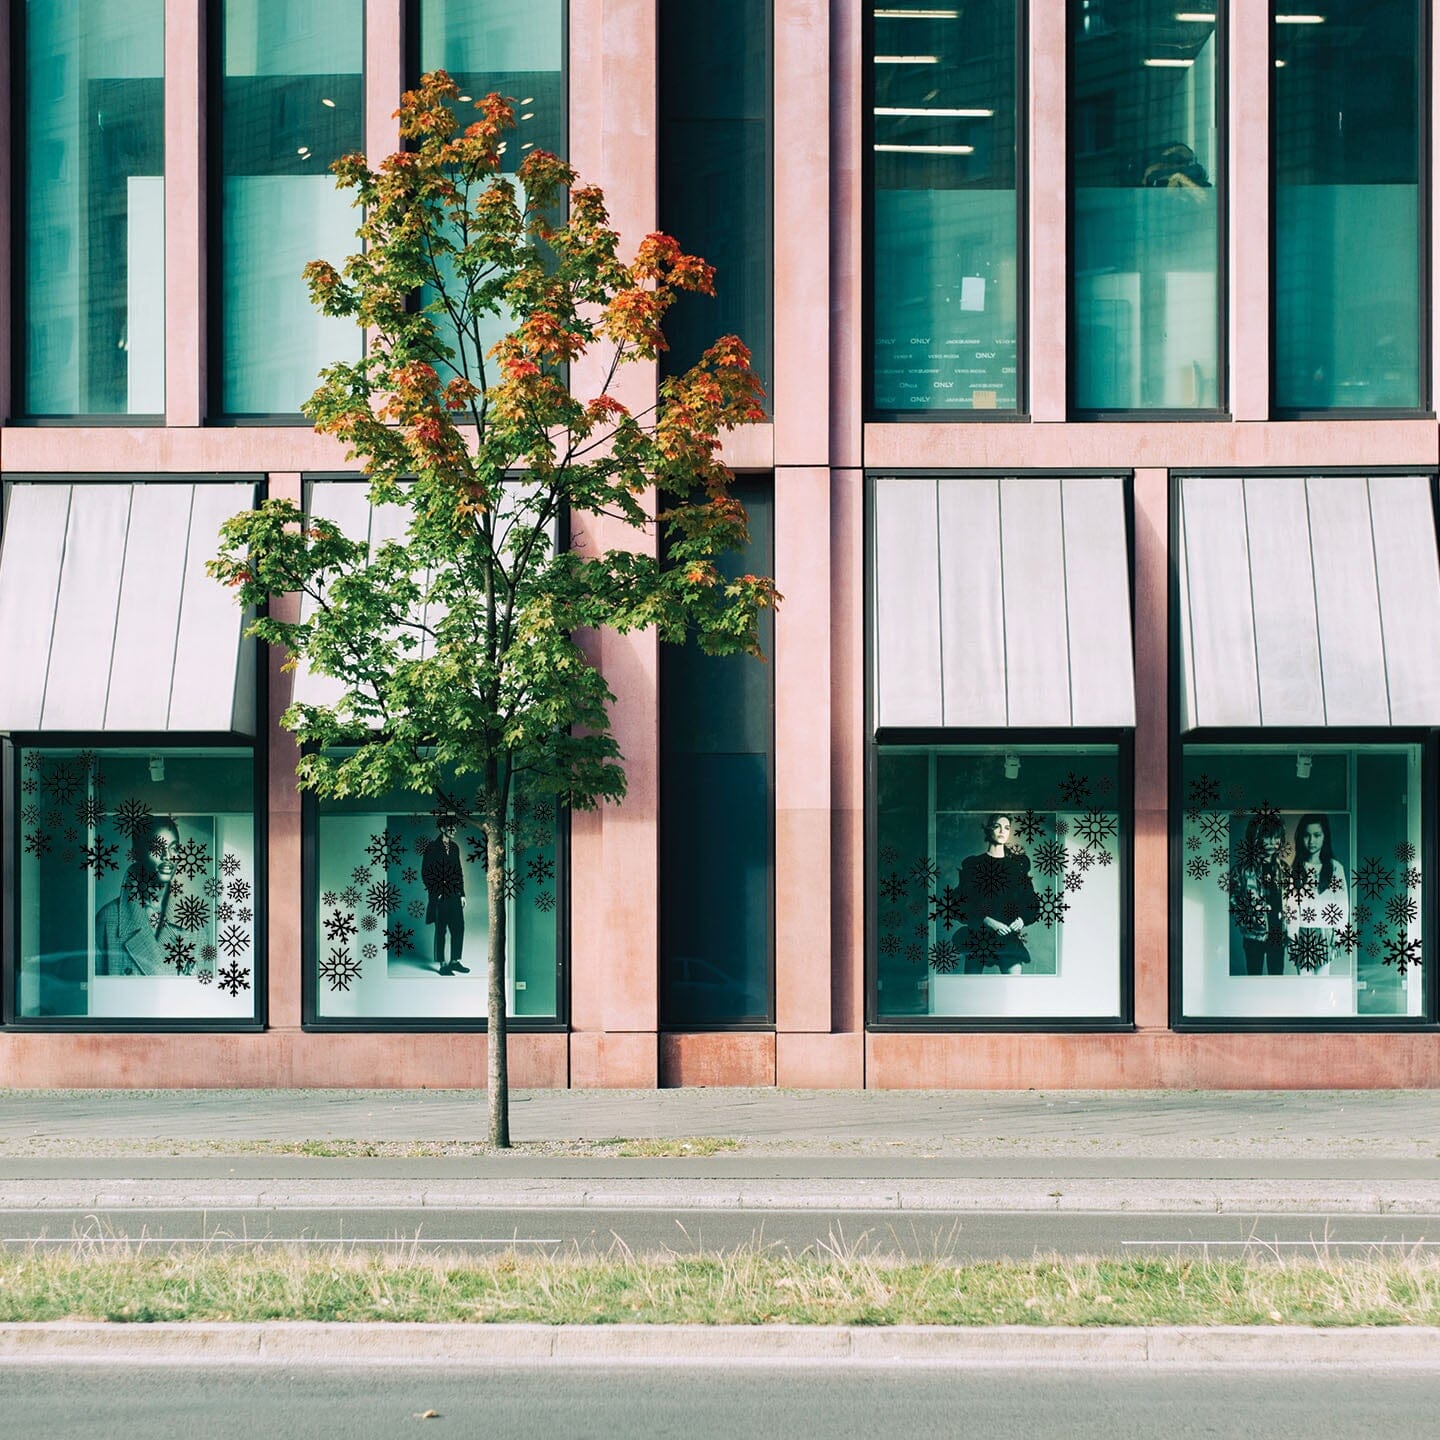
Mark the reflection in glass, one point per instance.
(945, 242)
(715, 813)
(1345, 115)
(998, 881)
(1145, 197)
(291, 102)
(94, 207)
(137, 884)
(515, 48)
(401, 918)
(715, 146)
(1303, 884)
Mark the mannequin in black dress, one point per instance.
(1000, 901)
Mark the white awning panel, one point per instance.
(1002, 603)
(108, 621)
(1308, 602)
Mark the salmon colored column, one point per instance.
(185, 210)
(614, 861)
(1152, 750)
(7, 223)
(282, 861)
(1047, 168)
(800, 386)
(384, 76)
(1249, 181)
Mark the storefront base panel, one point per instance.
(614, 1060)
(718, 1058)
(279, 1059)
(819, 1062)
(1156, 1060)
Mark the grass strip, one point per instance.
(839, 1286)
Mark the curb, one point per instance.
(321, 1344)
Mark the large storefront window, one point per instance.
(1303, 891)
(998, 881)
(93, 237)
(291, 101)
(1345, 106)
(137, 896)
(1145, 205)
(400, 910)
(945, 251)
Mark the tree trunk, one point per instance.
(497, 1070)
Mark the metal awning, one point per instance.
(108, 621)
(1001, 603)
(1308, 602)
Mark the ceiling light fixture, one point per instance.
(1196, 17)
(327, 102)
(1299, 19)
(939, 114)
(907, 59)
(928, 149)
(889, 14)
(1162, 63)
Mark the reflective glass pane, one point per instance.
(1345, 117)
(944, 249)
(998, 881)
(291, 101)
(401, 917)
(1145, 203)
(716, 850)
(137, 884)
(93, 242)
(1303, 886)
(715, 147)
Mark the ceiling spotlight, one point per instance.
(1012, 766)
(1303, 764)
(327, 102)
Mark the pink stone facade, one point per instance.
(819, 448)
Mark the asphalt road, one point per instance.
(42, 1402)
(915, 1234)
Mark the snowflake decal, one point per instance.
(224, 911)
(1053, 906)
(947, 907)
(180, 953)
(1062, 827)
(233, 979)
(1400, 909)
(1401, 951)
(234, 941)
(1372, 878)
(1094, 828)
(339, 968)
(385, 849)
(1215, 827)
(944, 957)
(1073, 879)
(915, 953)
(382, 898)
(191, 859)
(1309, 950)
(244, 914)
(369, 951)
(1193, 842)
(1084, 859)
(1347, 937)
(889, 944)
(368, 921)
(399, 938)
(409, 874)
(64, 784)
(205, 977)
(239, 889)
(1050, 858)
(925, 871)
(889, 855)
(984, 946)
(1307, 914)
(990, 876)
(541, 869)
(1204, 791)
(1219, 855)
(416, 909)
(450, 810)
(230, 864)
(132, 818)
(1266, 816)
(545, 901)
(360, 875)
(477, 851)
(208, 953)
(1332, 915)
(1075, 789)
(1412, 879)
(339, 925)
(1361, 914)
(89, 812)
(98, 858)
(893, 886)
(330, 899)
(192, 913)
(1198, 867)
(350, 896)
(1405, 852)
(213, 886)
(1028, 826)
(511, 884)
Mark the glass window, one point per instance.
(515, 48)
(716, 782)
(1302, 890)
(93, 228)
(138, 887)
(1145, 205)
(945, 245)
(1345, 113)
(715, 148)
(401, 913)
(292, 100)
(998, 881)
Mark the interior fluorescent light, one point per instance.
(1161, 63)
(326, 101)
(917, 14)
(1299, 19)
(928, 149)
(1279, 64)
(907, 59)
(926, 110)
(1197, 17)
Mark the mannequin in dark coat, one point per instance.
(1000, 901)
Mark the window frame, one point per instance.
(870, 411)
(1221, 411)
(100, 741)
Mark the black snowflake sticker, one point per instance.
(545, 900)
(1400, 909)
(192, 913)
(234, 941)
(1197, 867)
(368, 921)
(1095, 828)
(360, 875)
(1309, 950)
(893, 886)
(339, 968)
(350, 896)
(1204, 792)
(230, 864)
(399, 939)
(888, 855)
(1050, 858)
(208, 953)
(1215, 826)
(1052, 908)
(98, 858)
(541, 869)
(369, 951)
(180, 954)
(944, 957)
(1075, 789)
(382, 898)
(1372, 878)
(132, 818)
(1347, 937)
(385, 849)
(340, 925)
(1028, 826)
(889, 944)
(233, 979)
(213, 886)
(1401, 951)
(191, 859)
(947, 908)
(1405, 852)
(239, 889)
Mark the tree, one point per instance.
(456, 644)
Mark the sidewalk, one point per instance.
(1312, 1152)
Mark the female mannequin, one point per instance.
(1000, 901)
